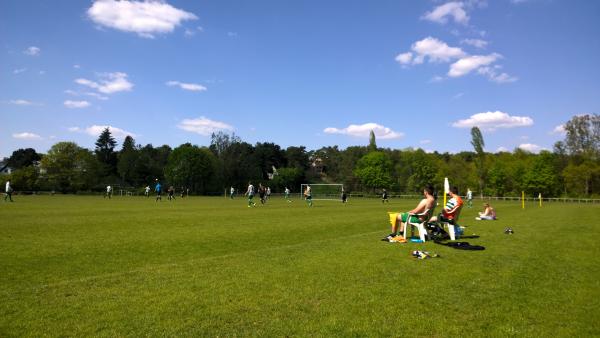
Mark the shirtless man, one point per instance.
(427, 203)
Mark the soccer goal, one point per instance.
(323, 191)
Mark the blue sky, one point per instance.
(312, 73)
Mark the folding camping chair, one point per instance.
(425, 215)
(452, 225)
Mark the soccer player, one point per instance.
(344, 196)
(469, 198)
(384, 197)
(250, 193)
(158, 189)
(147, 191)
(171, 192)
(261, 193)
(8, 191)
(108, 192)
(268, 192)
(231, 192)
(427, 203)
(308, 195)
(287, 194)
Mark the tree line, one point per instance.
(572, 168)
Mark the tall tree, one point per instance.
(583, 135)
(372, 142)
(374, 170)
(22, 158)
(69, 168)
(128, 157)
(192, 167)
(105, 146)
(220, 141)
(478, 144)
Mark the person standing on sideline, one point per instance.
(108, 192)
(287, 194)
(231, 192)
(384, 197)
(158, 189)
(147, 191)
(8, 192)
(308, 195)
(250, 193)
(469, 198)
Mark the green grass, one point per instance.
(85, 266)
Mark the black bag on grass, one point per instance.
(462, 245)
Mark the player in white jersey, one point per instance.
(250, 193)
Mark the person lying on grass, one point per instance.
(488, 214)
(424, 205)
(451, 209)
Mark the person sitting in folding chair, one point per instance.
(452, 208)
(450, 213)
(424, 205)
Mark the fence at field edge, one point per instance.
(125, 193)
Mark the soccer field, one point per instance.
(208, 266)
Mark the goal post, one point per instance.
(332, 192)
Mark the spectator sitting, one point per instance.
(488, 214)
(427, 203)
(451, 209)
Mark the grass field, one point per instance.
(85, 266)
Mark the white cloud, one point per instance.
(19, 70)
(109, 83)
(494, 120)
(502, 150)
(364, 131)
(437, 51)
(404, 58)
(194, 87)
(478, 43)
(560, 129)
(143, 18)
(119, 133)
(21, 102)
(458, 96)
(432, 48)
(96, 130)
(96, 95)
(32, 51)
(493, 75)
(532, 148)
(437, 79)
(454, 10)
(27, 136)
(76, 104)
(92, 94)
(203, 126)
(77, 66)
(467, 64)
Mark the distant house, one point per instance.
(5, 169)
(317, 165)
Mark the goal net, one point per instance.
(323, 191)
